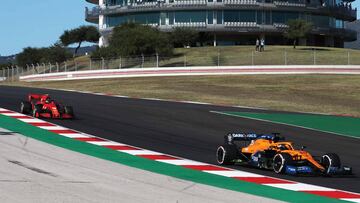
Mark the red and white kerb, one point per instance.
(186, 163)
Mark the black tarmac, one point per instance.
(187, 130)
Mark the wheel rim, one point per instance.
(220, 155)
(326, 161)
(278, 163)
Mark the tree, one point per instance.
(298, 28)
(29, 56)
(134, 39)
(184, 36)
(105, 52)
(56, 54)
(80, 35)
(52, 54)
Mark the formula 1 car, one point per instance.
(41, 105)
(270, 151)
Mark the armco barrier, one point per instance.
(209, 70)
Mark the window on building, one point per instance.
(219, 17)
(284, 17)
(190, 16)
(171, 18)
(115, 2)
(142, 18)
(259, 17)
(210, 17)
(240, 16)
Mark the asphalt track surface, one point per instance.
(187, 130)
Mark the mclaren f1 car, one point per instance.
(42, 106)
(270, 151)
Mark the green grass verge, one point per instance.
(345, 126)
(332, 94)
(157, 167)
(234, 56)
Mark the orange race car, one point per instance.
(272, 152)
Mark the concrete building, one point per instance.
(355, 25)
(231, 22)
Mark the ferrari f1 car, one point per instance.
(273, 153)
(41, 105)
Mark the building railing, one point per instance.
(240, 2)
(254, 58)
(189, 24)
(135, 4)
(286, 3)
(240, 24)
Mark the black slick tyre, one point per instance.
(280, 161)
(37, 110)
(69, 110)
(330, 160)
(25, 107)
(226, 154)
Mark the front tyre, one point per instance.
(330, 160)
(25, 107)
(280, 161)
(69, 110)
(226, 154)
(37, 110)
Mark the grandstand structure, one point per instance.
(231, 22)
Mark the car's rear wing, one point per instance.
(230, 138)
(36, 96)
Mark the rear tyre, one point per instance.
(330, 160)
(226, 154)
(25, 107)
(69, 110)
(37, 110)
(280, 161)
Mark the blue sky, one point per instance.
(39, 23)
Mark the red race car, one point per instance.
(41, 105)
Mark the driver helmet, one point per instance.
(47, 100)
(282, 147)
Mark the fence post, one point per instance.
(184, 60)
(57, 67)
(17, 72)
(50, 67)
(252, 58)
(142, 60)
(44, 65)
(157, 60)
(65, 66)
(314, 57)
(120, 65)
(12, 73)
(218, 59)
(33, 66)
(102, 63)
(90, 64)
(27, 68)
(285, 57)
(348, 58)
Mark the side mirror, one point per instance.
(303, 147)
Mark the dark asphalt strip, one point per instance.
(187, 130)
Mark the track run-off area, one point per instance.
(192, 132)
